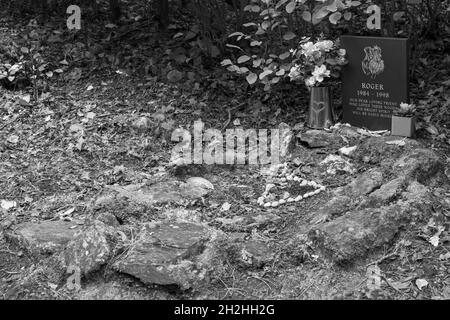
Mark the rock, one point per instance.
(134, 200)
(360, 232)
(180, 214)
(347, 151)
(163, 253)
(201, 183)
(108, 219)
(375, 150)
(174, 76)
(44, 237)
(335, 207)
(320, 138)
(142, 124)
(366, 182)
(387, 191)
(247, 222)
(419, 164)
(336, 164)
(255, 253)
(90, 248)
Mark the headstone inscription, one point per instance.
(375, 81)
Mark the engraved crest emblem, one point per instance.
(372, 64)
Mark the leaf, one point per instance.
(284, 55)
(434, 240)
(234, 34)
(290, 7)
(225, 207)
(13, 139)
(255, 43)
(432, 130)
(421, 283)
(265, 73)
(335, 17)
(347, 15)
(6, 204)
(233, 46)
(398, 15)
(280, 72)
(49, 74)
(251, 78)
(243, 59)
(289, 36)
(24, 50)
(226, 62)
(306, 15)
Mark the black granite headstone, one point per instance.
(375, 81)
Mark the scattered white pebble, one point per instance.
(304, 183)
(267, 204)
(275, 204)
(290, 200)
(282, 201)
(299, 198)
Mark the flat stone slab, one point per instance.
(320, 139)
(353, 235)
(43, 237)
(90, 248)
(363, 230)
(158, 250)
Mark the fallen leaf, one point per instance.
(226, 206)
(6, 204)
(432, 130)
(13, 139)
(421, 283)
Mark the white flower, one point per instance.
(308, 49)
(342, 52)
(325, 45)
(404, 105)
(320, 72)
(294, 73)
(310, 82)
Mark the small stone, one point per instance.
(282, 201)
(290, 200)
(267, 204)
(275, 204)
(299, 198)
(142, 124)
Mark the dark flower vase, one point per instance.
(321, 114)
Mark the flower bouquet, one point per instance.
(318, 65)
